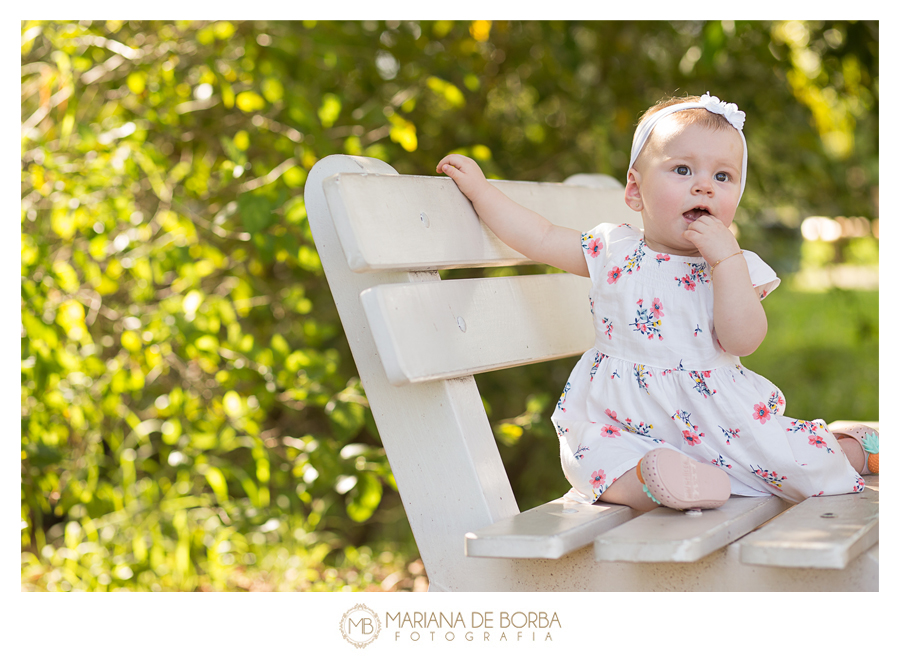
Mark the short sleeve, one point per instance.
(600, 242)
(762, 276)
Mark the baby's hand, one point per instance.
(465, 172)
(712, 238)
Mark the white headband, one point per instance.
(710, 103)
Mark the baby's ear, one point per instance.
(633, 191)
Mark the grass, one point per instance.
(822, 352)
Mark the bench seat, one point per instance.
(548, 531)
(819, 533)
(667, 535)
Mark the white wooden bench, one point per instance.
(418, 341)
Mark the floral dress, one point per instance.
(657, 377)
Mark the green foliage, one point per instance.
(190, 413)
(822, 351)
(183, 403)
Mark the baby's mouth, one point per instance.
(695, 213)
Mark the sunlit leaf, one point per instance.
(137, 82)
(233, 404)
(329, 110)
(364, 498)
(250, 101)
(217, 483)
(449, 92)
(480, 30)
(272, 89)
(403, 132)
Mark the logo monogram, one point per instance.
(360, 626)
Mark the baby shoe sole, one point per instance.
(677, 481)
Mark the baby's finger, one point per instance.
(702, 220)
(705, 224)
(449, 170)
(454, 160)
(694, 228)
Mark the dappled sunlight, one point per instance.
(838, 253)
(847, 277)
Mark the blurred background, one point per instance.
(191, 415)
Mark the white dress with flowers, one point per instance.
(657, 377)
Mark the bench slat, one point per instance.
(803, 537)
(667, 535)
(444, 329)
(387, 222)
(548, 531)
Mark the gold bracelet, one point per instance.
(713, 266)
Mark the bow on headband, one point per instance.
(729, 110)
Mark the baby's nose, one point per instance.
(703, 186)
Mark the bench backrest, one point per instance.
(417, 340)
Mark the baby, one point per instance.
(660, 410)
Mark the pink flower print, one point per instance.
(690, 437)
(730, 434)
(771, 478)
(594, 247)
(688, 284)
(646, 322)
(614, 274)
(598, 477)
(761, 413)
(611, 414)
(656, 308)
(609, 327)
(661, 257)
(609, 431)
(818, 441)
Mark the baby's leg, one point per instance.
(854, 453)
(628, 490)
(859, 443)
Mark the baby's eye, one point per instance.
(682, 170)
(722, 177)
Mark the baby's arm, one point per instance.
(738, 315)
(524, 230)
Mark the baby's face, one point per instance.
(684, 172)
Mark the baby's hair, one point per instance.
(686, 117)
